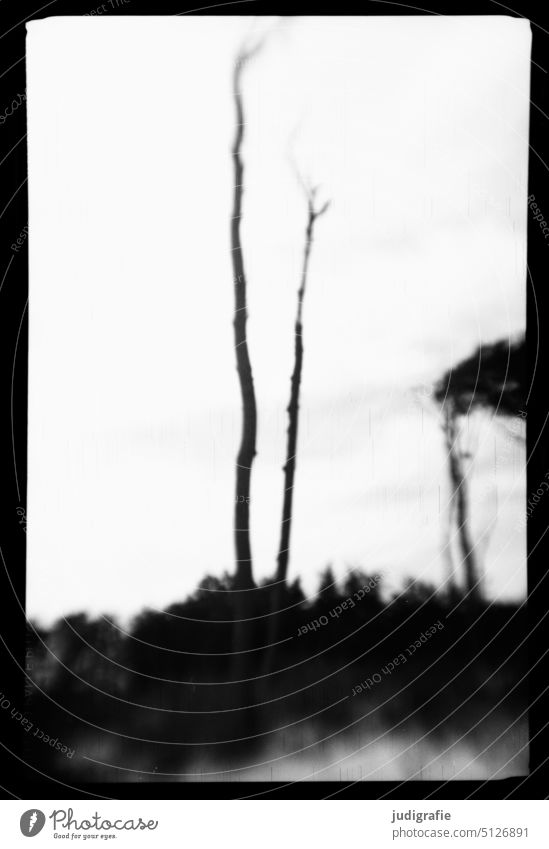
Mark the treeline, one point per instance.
(163, 693)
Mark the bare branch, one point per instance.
(323, 209)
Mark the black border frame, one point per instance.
(18, 779)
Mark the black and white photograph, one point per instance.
(276, 524)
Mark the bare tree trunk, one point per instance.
(293, 406)
(461, 499)
(247, 450)
(240, 696)
(293, 422)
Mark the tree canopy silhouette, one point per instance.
(491, 378)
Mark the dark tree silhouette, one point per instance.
(293, 421)
(327, 588)
(247, 451)
(243, 585)
(492, 378)
(293, 406)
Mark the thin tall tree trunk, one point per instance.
(247, 450)
(240, 695)
(293, 406)
(293, 422)
(461, 499)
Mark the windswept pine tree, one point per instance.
(491, 379)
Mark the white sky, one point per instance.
(416, 129)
